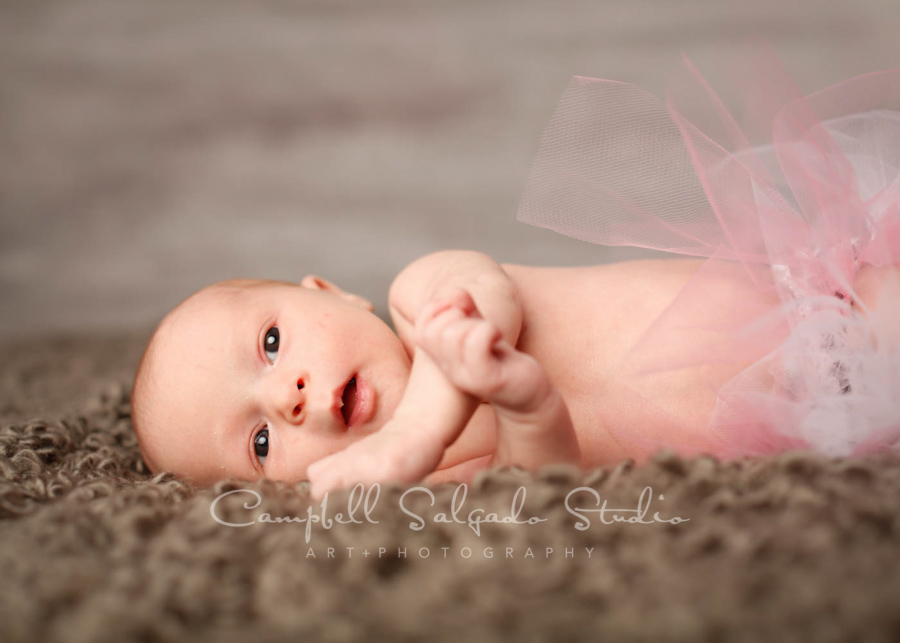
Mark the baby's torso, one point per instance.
(583, 324)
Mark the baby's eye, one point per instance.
(271, 342)
(261, 446)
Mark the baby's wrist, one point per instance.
(543, 396)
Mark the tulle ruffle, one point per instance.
(802, 217)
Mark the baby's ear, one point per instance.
(314, 282)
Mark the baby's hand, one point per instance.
(390, 455)
(473, 355)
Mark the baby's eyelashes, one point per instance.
(271, 342)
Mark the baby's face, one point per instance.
(261, 379)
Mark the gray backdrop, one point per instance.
(149, 148)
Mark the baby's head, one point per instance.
(252, 379)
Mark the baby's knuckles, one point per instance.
(431, 332)
(456, 299)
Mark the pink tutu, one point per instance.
(799, 213)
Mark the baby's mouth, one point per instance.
(348, 400)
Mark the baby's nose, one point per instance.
(299, 398)
(288, 398)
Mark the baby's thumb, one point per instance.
(461, 299)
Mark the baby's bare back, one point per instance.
(582, 323)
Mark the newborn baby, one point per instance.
(490, 365)
(786, 336)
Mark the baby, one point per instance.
(786, 336)
(490, 365)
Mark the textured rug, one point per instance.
(94, 548)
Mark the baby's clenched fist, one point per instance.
(473, 355)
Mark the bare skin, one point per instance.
(490, 365)
(570, 327)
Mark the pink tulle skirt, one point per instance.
(802, 204)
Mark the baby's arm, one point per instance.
(433, 411)
(533, 423)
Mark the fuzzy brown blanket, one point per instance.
(93, 548)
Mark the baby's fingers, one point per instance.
(446, 337)
(457, 299)
(481, 340)
(324, 476)
(380, 457)
(433, 334)
(339, 472)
